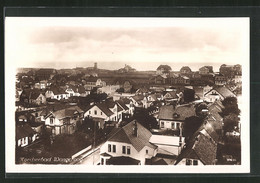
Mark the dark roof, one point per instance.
(57, 90)
(105, 154)
(202, 148)
(224, 91)
(32, 93)
(138, 97)
(166, 112)
(92, 79)
(126, 100)
(103, 107)
(125, 135)
(198, 91)
(180, 113)
(173, 94)
(81, 89)
(143, 89)
(67, 112)
(122, 104)
(24, 131)
(123, 160)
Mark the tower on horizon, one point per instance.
(95, 65)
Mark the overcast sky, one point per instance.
(143, 43)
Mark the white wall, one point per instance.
(100, 114)
(141, 155)
(183, 162)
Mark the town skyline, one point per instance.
(140, 43)
(176, 66)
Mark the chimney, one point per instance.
(135, 129)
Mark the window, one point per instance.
(109, 147)
(51, 120)
(162, 124)
(128, 150)
(123, 149)
(114, 148)
(178, 126)
(95, 112)
(89, 112)
(195, 162)
(146, 151)
(173, 125)
(188, 162)
(101, 113)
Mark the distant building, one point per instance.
(205, 70)
(185, 70)
(230, 71)
(126, 69)
(32, 96)
(220, 80)
(163, 69)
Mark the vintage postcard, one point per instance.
(127, 95)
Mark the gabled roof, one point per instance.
(142, 89)
(198, 91)
(224, 91)
(64, 113)
(166, 112)
(24, 131)
(57, 90)
(32, 93)
(122, 104)
(180, 113)
(202, 147)
(138, 97)
(125, 135)
(126, 100)
(103, 107)
(173, 94)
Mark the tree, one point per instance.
(230, 122)
(188, 95)
(166, 68)
(120, 90)
(191, 125)
(198, 109)
(231, 106)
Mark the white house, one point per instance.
(129, 144)
(172, 144)
(173, 118)
(105, 111)
(25, 135)
(219, 93)
(64, 121)
(56, 93)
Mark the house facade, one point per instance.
(219, 93)
(130, 141)
(64, 121)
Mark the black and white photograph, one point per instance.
(119, 95)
